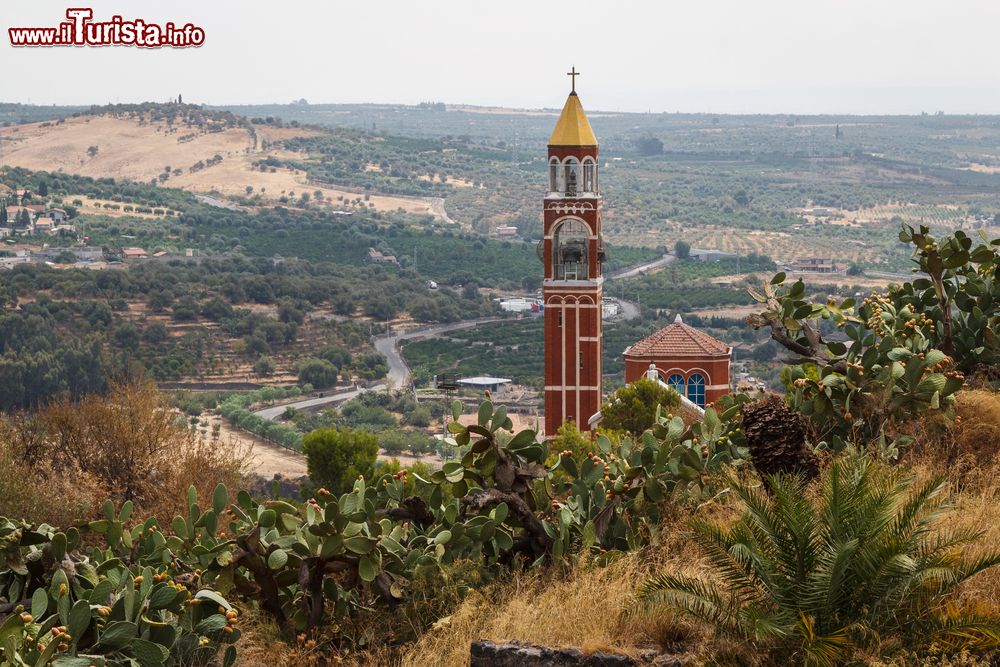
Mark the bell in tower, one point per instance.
(571, 182)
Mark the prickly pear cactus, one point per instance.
(123, 605)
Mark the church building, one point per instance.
(695, 364)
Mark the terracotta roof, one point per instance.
(678, 339)
(573, 128)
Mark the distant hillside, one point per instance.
(179, 146)
(12, 113)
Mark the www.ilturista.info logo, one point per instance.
(80, 30)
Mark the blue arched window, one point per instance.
(676, 382)
(696, 389)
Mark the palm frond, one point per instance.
(825, 650)
(816, 578)
(959, 630)
(693, 597)
(830, 582)
(731, 559)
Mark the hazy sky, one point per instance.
(768, 56)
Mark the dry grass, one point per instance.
(582, 607)
(968, 454)
(261, 643)
(126, 148)
(966, 451)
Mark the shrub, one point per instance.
(820, 577)
(633, 408)
(130, 441)
(37, 492)
(120, 605)
(419, 416)
(336, 457)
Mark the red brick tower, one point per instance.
(572, 252)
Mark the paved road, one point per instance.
(276, 411)
(437, 205)
(399, 372)
(633, 271)
(219, 203)
(630, 310)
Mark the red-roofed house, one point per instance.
(14, 211)
(691, 361)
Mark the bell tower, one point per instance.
(572, 252)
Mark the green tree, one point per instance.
(338, 355)
(633, 407)
(155, 333)
(319, 373)
(336, 456)
(264, 366)
(682, 249)
(421, 416)
(3, 216)
(126, 336)
(160, 300)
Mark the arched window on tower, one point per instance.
(696, 389)
(589, 175)
(554, 175)
(572, 170)
(569, 248)
(676, 382)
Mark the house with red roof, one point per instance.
(695, 364)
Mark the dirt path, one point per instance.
(268, 459)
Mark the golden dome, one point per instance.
(573, 128)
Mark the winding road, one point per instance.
(399, 373)
(388, 344)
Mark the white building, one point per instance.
(485, 382)
(519, 304)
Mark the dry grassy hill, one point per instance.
(126, 148)
(140, 150)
